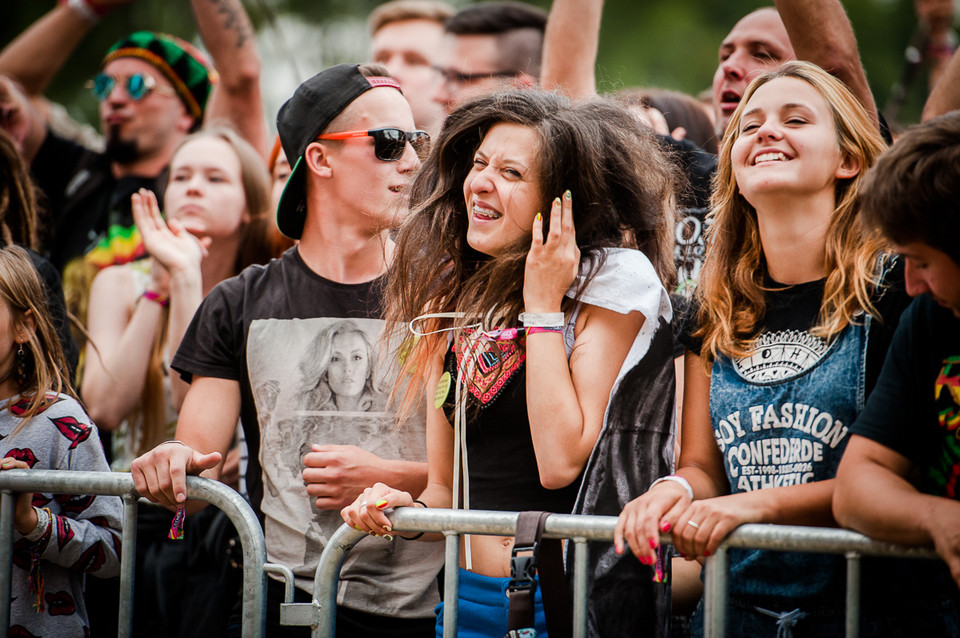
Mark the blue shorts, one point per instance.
(483, 608)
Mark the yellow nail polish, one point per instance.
(381, 503)
(388, 537)
(539, 217)
(568, 195)
(556, 202)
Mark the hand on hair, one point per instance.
(551, 265)
(25, 517)
(170, 245)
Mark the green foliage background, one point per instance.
(666, 43)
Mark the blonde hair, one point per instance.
(44, 368)
(731, 290)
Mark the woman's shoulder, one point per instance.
(624, 281)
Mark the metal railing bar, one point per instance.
(287, 574)
(581, 553)
(451, 584)
(128, 564)
(795, 538)
(328, 574)
(7, 503)
(253, 622)
(715, 594)
(853, 595)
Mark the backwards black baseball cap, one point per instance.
(302, 118)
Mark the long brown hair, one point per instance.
(44, 366)
(623, 190)
(18, 199)
(731, 290)
(255, 248)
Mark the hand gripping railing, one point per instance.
(786, 538)
(253, 623)
(451, 523)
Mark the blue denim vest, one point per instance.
(781, 417)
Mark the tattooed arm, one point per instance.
(229, 37)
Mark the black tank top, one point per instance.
(500, 458)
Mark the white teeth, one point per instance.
(770, 157)
(486, 212)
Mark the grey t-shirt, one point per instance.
(306, 352)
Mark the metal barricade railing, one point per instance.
(788, 538)
(253, 621)
(321, 612)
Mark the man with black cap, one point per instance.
(291, 349)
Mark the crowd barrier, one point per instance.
(253, 621)
(581, 530)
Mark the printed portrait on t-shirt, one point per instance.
(321, 381)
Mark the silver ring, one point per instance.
(363, 503)
(693, 525)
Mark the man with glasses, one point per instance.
(152, 91)
(291, 349)
(406, 36)
(489, 47)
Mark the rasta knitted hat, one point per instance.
(185, 67)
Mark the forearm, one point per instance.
(409, 476)
(116, 372)
(228, 35)
(570, 47)
(945, 96)
(804, 504)
(32, 60)
(883, 505)
(186, 294)
(820, 32)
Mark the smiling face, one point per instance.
(787, 143)
(502, 190)
(932, 271)
(349, 365)
(758, 43)
(205, 192)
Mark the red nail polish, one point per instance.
(665, 526)
(618, 549)
(653, 544)
(706, 553)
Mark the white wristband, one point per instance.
(43, 519)
(542, 319)
(673, 478)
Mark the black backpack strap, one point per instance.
(547, 557)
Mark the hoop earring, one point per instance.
(21, 370)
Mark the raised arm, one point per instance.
(945, 96)
(31, 59)
(228, 35)
(570, 47)
(820, 32)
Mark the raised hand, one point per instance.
(168, 242)
(551, 265)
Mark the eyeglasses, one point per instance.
(452, 77)
(138, 85)
(388, 143)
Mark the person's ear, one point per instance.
(849, 167)
(26, 327)
(318, 160)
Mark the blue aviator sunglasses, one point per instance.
(138, 85)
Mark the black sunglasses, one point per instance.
(388, 143)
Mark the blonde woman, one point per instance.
(789, 336)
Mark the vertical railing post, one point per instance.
(7, 502)
(128, 563)
(580, 555)
(715, 594)
(451, 584)
(853, 594)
